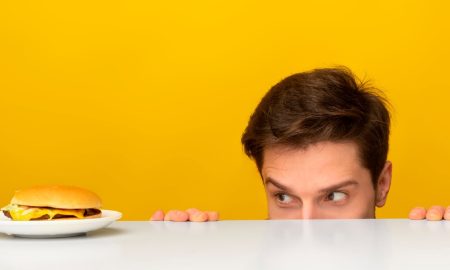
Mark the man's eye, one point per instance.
(284, 198)
(336, 196)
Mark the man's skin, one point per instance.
(325, 180)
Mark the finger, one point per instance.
(447, 213)
(176, 215)
(198, 216)
(435, 212)
(192, 210)
(158, 216)
(417, 213)
(213, 215)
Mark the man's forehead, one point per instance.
(325, 162)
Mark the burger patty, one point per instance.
(92, 212)
(87, 213)
(6, 213)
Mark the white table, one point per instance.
(295, 244)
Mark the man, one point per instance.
(320, 140)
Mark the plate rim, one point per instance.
(57, 228)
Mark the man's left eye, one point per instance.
(336, 196)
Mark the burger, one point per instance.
(53, 202)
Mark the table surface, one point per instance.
(265, 244)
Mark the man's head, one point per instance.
(320, 141)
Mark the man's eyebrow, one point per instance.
(338, 186)
(272, 181)
(323, 190)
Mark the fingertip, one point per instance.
(157, 216)
(438, 207)
(213, 215)
(191, 211)
(417, 213)
(198, 216)
(433, 216)
(168, 215)
(447, 213)
(435, 213)
(177, 216)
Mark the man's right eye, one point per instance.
(283, 198)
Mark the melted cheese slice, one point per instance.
(24, 213)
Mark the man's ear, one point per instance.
(384, 184)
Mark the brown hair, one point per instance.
(328, 104)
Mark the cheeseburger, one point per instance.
(53, 202)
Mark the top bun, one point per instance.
(56, 196)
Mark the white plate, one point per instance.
(56, 228)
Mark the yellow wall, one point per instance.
(145, 102)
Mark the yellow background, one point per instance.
(145, 102)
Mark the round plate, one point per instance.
(56, 228)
